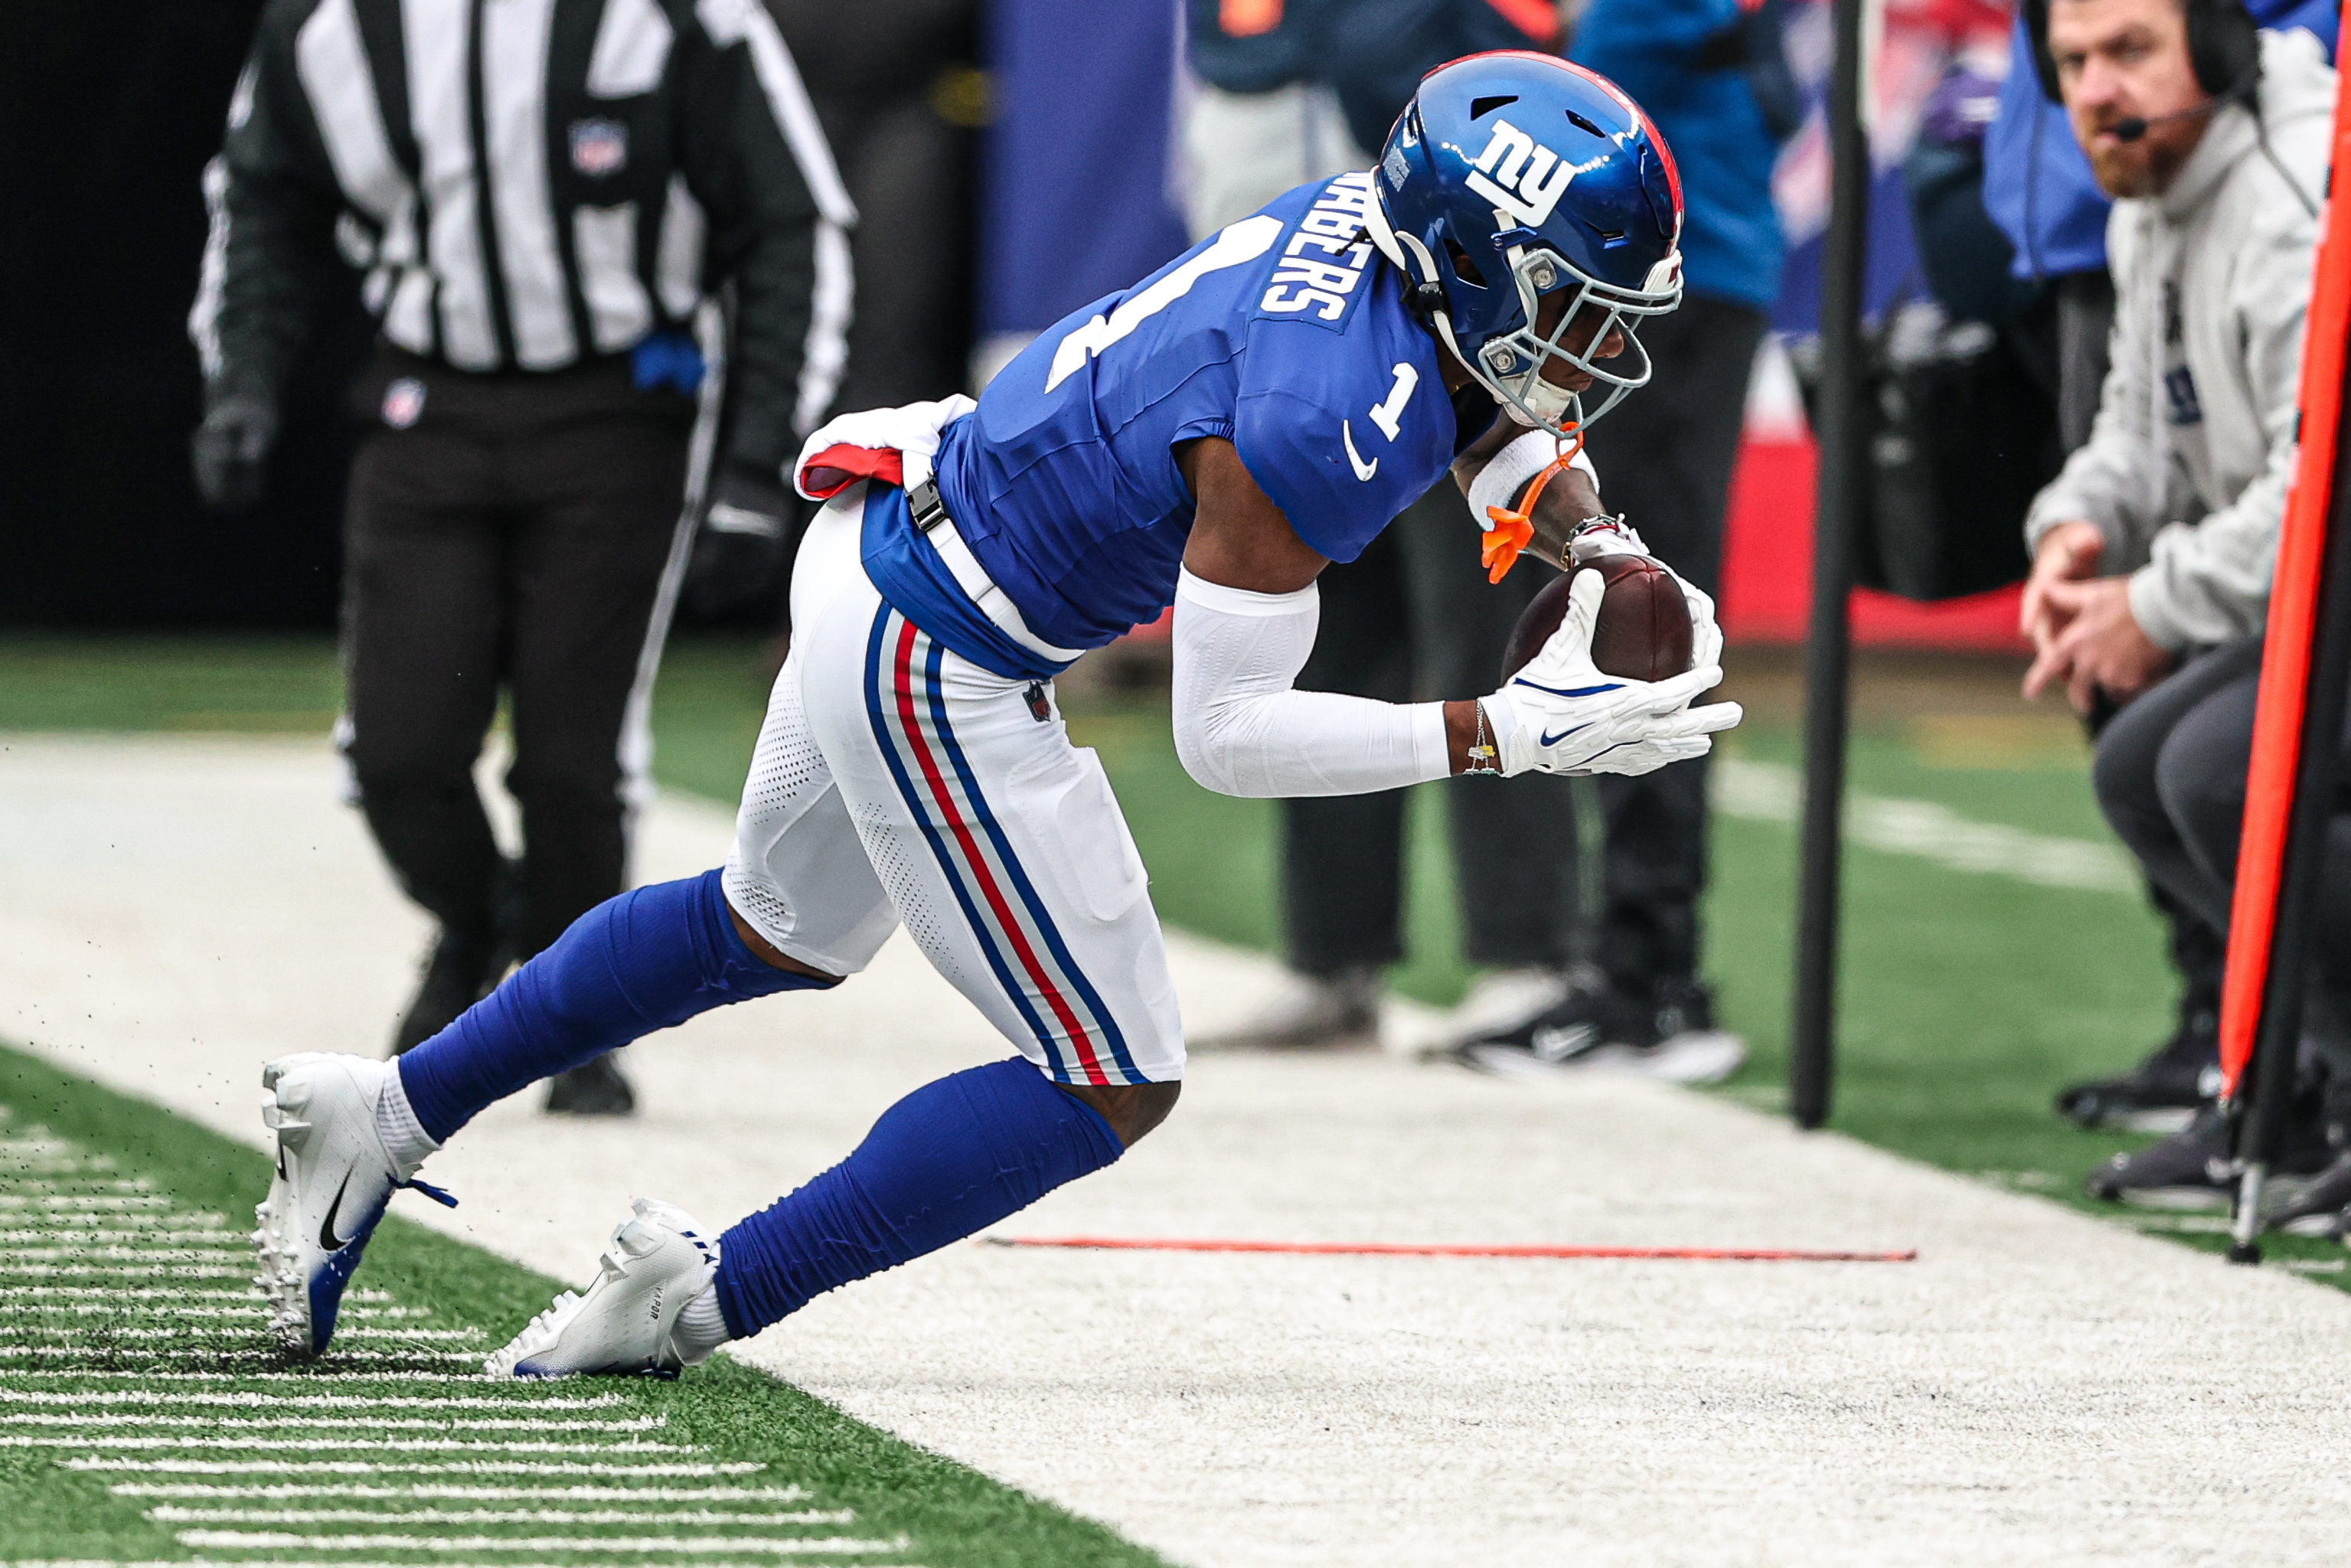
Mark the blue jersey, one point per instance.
(1285, 333)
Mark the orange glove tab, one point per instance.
(1512, 531)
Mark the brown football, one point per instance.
(1643, 631)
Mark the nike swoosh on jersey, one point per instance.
(326, 1231)
(1363, 470)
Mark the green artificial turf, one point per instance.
(1967, 1000)
(766, 1433)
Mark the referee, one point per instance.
(541, 194)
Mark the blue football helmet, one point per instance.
(1512, 175)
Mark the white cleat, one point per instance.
(334, 1181)
(656, 1264)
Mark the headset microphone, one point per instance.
(2131, 127)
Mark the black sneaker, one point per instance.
(1672, 1037)
(2161, 1093)
(598, 1089)
(2192, 1169)
(461, 971)
(2315, 1207)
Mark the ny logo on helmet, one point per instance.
(1512, 159)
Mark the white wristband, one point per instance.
(1498, 483)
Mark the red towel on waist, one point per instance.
(837, 467)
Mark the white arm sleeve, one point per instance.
(1241, 731)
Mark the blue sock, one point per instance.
(949, 1159)
(651, 958)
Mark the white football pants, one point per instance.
(896, 783)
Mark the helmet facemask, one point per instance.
(1510, 365)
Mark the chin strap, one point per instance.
(1508, 531)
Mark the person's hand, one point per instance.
(738, 555)
(2100, 648)
(230, 452)
(2067, 553)
(1616, 537)
(1561, 714)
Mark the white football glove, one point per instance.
(1561, 714)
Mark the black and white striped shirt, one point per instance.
(526, 183)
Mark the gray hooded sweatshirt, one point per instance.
(2187, 466)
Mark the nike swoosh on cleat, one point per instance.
(326, 1231)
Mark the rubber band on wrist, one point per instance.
(1508, 529)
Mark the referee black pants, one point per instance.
(1414, 618)
(506, 532)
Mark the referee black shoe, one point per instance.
(598, 1089)
(2161, 1093)
(462, 970)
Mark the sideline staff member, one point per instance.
(541, 193)
(2155, 547)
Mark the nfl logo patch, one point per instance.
(598, 147)
(404, 402)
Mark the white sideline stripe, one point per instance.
(367, 1423)
(1769, 792)
(677, 1471)
(390, 1446)
(168, 1515)
(81, 1201)
(306, 1401)
(780, 1546)
(467, 1494)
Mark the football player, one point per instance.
(1210, 438)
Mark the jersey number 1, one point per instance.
(1237, 243)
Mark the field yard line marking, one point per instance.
(68, 1232)
(83, 1200)
(465, 1494)
(144, 1293)
(170, 1515)
(252, 1310)
(390, 1375)
(307, 1401)
(436, 1335)
(360, 1356)
(126, 1271)
(1769, 792)
(242, 1251)
(781, 1546)
(370, 1423)
(342, 1563)
(88, 1309)
(388, 1446)
(1433, 1249)
(678, 1471)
